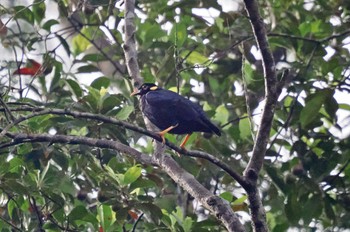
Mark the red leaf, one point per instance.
(26, 71)
(32, 69)
(133, 214)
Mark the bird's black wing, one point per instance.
(181, 109)
(200, 116)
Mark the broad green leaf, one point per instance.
(94, 57)
(55, 83)
(80, 44)
(39, 8)
(124, 113)
(80, 213)
(11, 205)
(24, 13)
(178, 34)
(187, 224)
(312, 107)
(75, 88)
(106, 216)
(245, 129)
(240, 200)
(312, 208)
(49, 23)
(293, 208)
(132, 174)
(88, 69)
(221, 114)
(101, 82)
(227, 196)
(331, 107)
(194, 57)
(110, 102)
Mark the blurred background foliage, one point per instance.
(206, 51)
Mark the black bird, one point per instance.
(172, 113)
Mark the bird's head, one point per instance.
(145, 88)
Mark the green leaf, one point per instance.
(187, 224)
(94, 57)
(132, 174)
(110, 102)
(80, 44)
(293, 208)
(48, 24)
(100, 82)
(178, 34)
(55, 83)
(11, 205)
(75, 88)
(24, 13)
(80, 213)
(240, 200)
(88, 69)
(221, 114)
(106, 215)
(244, 129)
(331, 106)
(124, 113)
(194, 57)
(39, 9)
(227, 196)
(312, 209)
(312, 107)
(64, 44)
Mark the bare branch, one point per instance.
(130, 44)
(256, 161)
(268, 63)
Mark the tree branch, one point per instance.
(130, 44)
(256, 161)
(84, 115)
(216, 205)
(219, 207)
(19, 138)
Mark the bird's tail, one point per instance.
(213, 127)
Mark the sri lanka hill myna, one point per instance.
(172, 113)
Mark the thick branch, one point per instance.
(130, 44)
(268, 63)
(256, 161)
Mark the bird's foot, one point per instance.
(161, 135)
(163, 132)
(182, 145)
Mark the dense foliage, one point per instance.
(207, 52)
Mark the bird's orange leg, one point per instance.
(162, 133)
(182, 145)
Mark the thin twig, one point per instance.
(137, 221)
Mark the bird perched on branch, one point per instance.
(172, 113)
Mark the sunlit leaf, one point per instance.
(124, 113)
(101, 82)
(132, 174)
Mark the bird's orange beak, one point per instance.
(136, 91)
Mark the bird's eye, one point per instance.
(144, 87)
